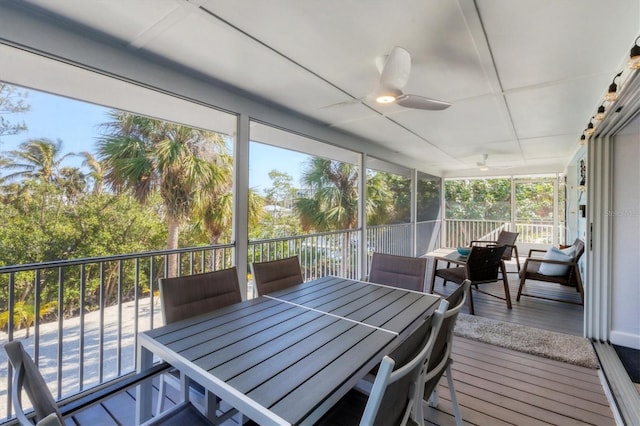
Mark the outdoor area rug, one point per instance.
(560, 347)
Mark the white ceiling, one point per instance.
(524, 76)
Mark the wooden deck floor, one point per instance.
(494, 386)
(497, 386)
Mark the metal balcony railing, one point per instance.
(79, 319)
(327, 253)
(459, 232)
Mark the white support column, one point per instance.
(443, 221)
(240, 233)
(514, 208)
(362, 216)
(414, 212)
(556, 219)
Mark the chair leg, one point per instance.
(471, 310)
(433, 398)
(417, 409)
(579, 283)
(162, 389)
(507, 293)
(212, 407)
(433, 276)
(522, 280)
(454, 399)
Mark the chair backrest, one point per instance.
(484, 263)
(398, 271)
(28, 377)
(441, 354)
(276, 275)
(508, 239)
(191, 295)
(393, 393)
(579, 245)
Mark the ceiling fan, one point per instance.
(394, 75)
(395, 69)
(483, 166)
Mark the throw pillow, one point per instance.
(569, 251)
(552, 269)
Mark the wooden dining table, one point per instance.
(287, 357)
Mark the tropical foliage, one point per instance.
(490, 199)
(185, 166)
(149, 182)
(478, 199)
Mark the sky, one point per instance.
(77, 125)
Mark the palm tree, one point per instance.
(143, 155)
(38, 159)
(333, 200)
(96, 171)
(213, 214)
(381, 203)
(332, 203)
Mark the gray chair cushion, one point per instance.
(276, 275)
(398, 271)
(191, 295)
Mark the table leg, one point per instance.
(143, 392)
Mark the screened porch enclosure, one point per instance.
(91, 307)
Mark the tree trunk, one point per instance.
(172, 243)
(215, 262)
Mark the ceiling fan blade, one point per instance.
(397, 68)
(344, 103)
(421, 102)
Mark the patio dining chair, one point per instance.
(481, 267)
(28, 378)
(398, 271)
(274, 275)
(394, 396)
(507, 239)
(440, 361)
(192, 295)
(554, 268)
(47, 412)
